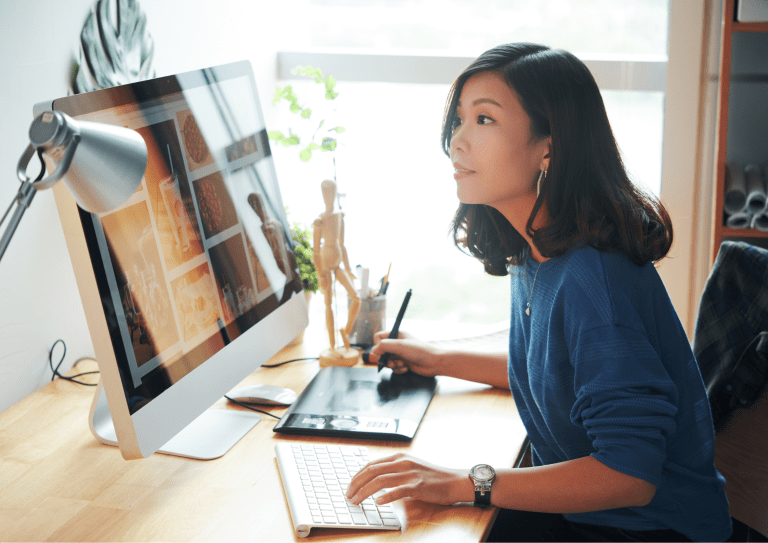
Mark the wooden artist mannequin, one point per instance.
(328, 254)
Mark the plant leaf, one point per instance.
(305, 155)
(329, 144)
(306, 113)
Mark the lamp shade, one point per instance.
(102, 165)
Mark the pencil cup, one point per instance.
(371, 319)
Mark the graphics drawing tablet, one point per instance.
(360, 402)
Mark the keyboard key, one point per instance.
(359, 518)
(390, 522)
(373, 518)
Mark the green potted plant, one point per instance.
(322, 139)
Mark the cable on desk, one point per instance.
(55, 371)
(288, 362)
(252, 408)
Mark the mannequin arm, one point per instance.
(344, 250)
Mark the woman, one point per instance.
(599, 365)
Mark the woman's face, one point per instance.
(495, 156)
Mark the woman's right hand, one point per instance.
(407, 353)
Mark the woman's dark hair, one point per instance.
(589, 198)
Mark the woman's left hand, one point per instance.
(408, 477)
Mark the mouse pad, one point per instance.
(360, 402)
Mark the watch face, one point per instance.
(483, 472)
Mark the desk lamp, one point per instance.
(101, 165)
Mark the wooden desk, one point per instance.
(59, 484)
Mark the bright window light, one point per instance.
(399, 189)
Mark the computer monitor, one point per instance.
(192, 284)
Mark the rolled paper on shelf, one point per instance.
(735, 189)
(742, 219)
(755, 188)
(760, 221)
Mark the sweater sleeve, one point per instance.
(625, 400)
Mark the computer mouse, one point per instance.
(263, 395)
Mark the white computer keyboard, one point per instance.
(315, 478)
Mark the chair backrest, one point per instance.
(741, 456)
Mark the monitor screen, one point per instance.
(195, 274)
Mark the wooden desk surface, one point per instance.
(59, 484)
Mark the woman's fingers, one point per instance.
(369, 472)
(406, 477)
(393, 473)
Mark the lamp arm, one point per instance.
(23, 198)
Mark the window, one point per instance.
(394, 62)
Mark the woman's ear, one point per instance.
(548, 153)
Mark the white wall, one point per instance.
(39, 301)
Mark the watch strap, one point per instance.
(482, 496)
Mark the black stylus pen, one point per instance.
(395, 329)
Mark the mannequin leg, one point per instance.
(329, 322)
(354, 306)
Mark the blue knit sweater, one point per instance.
(602, 367)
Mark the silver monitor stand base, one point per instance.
(207, 437)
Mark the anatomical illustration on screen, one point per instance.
(140, 281)
(170, 195)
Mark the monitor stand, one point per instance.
(207, 437)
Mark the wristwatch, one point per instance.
(482, 476)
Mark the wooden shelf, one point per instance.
(742, 233)
(749, 27)
(729, 28)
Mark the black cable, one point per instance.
(72, 379)
(55, 371)
(288, 362)
(252, 408)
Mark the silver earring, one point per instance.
(542, 175)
